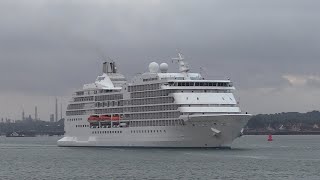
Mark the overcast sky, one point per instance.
(270, 49)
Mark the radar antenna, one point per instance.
(183, 66)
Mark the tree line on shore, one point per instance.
(285, 121)
(290, 121)
(32, 127)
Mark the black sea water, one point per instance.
(252, 157)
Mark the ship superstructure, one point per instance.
(155, 109)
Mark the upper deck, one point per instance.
(154, 94)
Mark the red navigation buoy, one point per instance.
(270, 137)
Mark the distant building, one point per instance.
(23, 117)
(36, 113)
(51, 117)
(29, 118)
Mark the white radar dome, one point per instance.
(153, 67)
(164, 67)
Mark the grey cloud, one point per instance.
(47, 46)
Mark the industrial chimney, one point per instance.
(56, 110)
(36, 113)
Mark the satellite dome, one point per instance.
(163, 67)
(153, 67)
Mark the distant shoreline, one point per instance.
(283, 133)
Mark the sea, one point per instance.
(251, 157)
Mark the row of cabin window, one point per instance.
(74, 119)
(152, 108)
(77, 126)
(75, 106)
(106, 132)
(107, 125)
(75, 113)
(109, 104)
(159, 100)
(162, 100)
(80, 99)
(103, 91)
(108, 110)
(175, 122)
(148, 131)
(144, 87)
(221, 84)
(109, 97)
(150, 79)
(81, 93)
(158, 93)
(137, 109)
(159, 115)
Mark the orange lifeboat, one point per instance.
(105, 117)
(94, 118)
(115, 118)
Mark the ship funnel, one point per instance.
(113, 67)
(104, 67)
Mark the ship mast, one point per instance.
(183, 66)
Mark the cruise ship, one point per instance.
(154, 109)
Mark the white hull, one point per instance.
(155, 109)
(198, 131)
